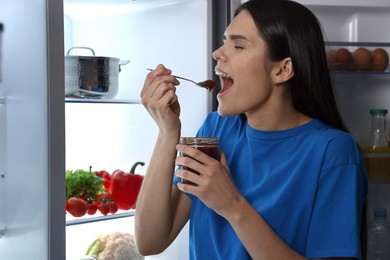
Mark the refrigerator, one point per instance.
(32, 130)
(43, 133)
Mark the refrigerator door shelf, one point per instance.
(359, 58)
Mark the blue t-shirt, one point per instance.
(308, 183)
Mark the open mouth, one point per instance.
(226, 80)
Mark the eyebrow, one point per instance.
(235, 37)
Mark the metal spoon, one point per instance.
(207, 84)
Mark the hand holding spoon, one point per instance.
(207, 84)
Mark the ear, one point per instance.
(283, 71)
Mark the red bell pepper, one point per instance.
(125, 187)
(107, 178)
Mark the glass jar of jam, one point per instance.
(209, 146)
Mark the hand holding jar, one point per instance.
(204, 173)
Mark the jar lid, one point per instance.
(378, 111)
(198, 141)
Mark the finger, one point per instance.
(186, 162)
(188, 188)
(193, 152)
(160, 70)
(185, 174)
(165, 93)
(156, 92)
(167, 99)
(161, 85)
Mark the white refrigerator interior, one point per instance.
(113, 134)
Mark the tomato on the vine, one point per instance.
(103, 197)
(104, 208)
(91, 208)
(113, 207)
(76, 207)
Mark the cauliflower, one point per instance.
(114, 246)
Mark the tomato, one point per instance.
(113, 207)
(76, 207)
(104, 197)
(91, 208)
(104, 208)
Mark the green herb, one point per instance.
(85, 184)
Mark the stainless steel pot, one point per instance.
(91, 76)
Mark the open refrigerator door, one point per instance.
(2, 147)
(31, 130)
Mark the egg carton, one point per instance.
(359, 57)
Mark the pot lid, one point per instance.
(75, 57)
(68, 56)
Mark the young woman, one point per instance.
(290, 183)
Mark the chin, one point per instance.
(224, 111)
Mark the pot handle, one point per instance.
(123, 62)
(85, 48)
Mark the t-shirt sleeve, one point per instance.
(334, 229)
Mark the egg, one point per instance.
(344, 58)
(361, 59)
(380, 59)
(331, 56)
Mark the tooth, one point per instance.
(222, 74)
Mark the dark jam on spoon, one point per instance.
(209, 84)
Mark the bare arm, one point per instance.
(162, 210)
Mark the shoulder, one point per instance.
(337, 140)
(339, 147)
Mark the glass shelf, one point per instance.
(360, 74)
(102, 101)
(92, 219)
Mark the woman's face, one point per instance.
(246, 85)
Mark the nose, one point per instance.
(217, 55)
